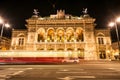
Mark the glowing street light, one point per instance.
(118, 19)
(3, 25)
(111, 24)
(114, 24)
(1, 21)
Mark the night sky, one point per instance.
(16, 11)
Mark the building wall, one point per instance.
(4, 43)
(115, 50)
(103, 43)
(72, 34)
(16, 39)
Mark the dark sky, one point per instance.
(16, 11)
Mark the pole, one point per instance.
(2, 31)
(117, 38)
(1, 37)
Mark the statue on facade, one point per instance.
(36, 12)
(85, 11)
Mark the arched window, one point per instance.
(21, 40)
(79, 35)
(70, 35)
(50, 35)
(100, 38)
(40, 35)
(60, 35)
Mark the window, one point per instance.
(102, 54)
(50, 35)
(40, 38)
(100, 40)
(41, 35)
(21, 41)
(79, 35)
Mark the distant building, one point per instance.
(115, 48)
(65, 33)
(5, 43)
(115, 45)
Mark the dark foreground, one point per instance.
(86, 70)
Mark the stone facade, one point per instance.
(5, 43)
(115, 48)
(61, 32)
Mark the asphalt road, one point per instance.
(86, 70)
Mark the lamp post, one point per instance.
(3, 25)
(116, 28)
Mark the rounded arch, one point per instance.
(41, 34)
(100, 38)
(100, 34)
(50, 29)
(41, 30)
(60, 34)
(70, 28)
(70, 34)
(21, 35)
(50, 34)
(79, 34)
(60, 28)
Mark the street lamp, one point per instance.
(116, 28)
(3, 25)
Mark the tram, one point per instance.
(35, 56)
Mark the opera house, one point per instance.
(63, 33)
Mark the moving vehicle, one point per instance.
(37, 57)
(71, 60)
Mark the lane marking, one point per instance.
(16, 73)
(29, 68)
(64, 70)
(71, 72)
(111, 68)
(82, 76)
(77, 69)
(66, 78)
(74, 77)
(114, 69)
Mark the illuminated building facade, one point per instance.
(5, 43)
(63, 33)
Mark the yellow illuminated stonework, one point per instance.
(63, 33)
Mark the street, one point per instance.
(86, 70)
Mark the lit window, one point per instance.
(21, 41)
(40, 38)
(102, 54)
(79, 35)
(100, 40)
